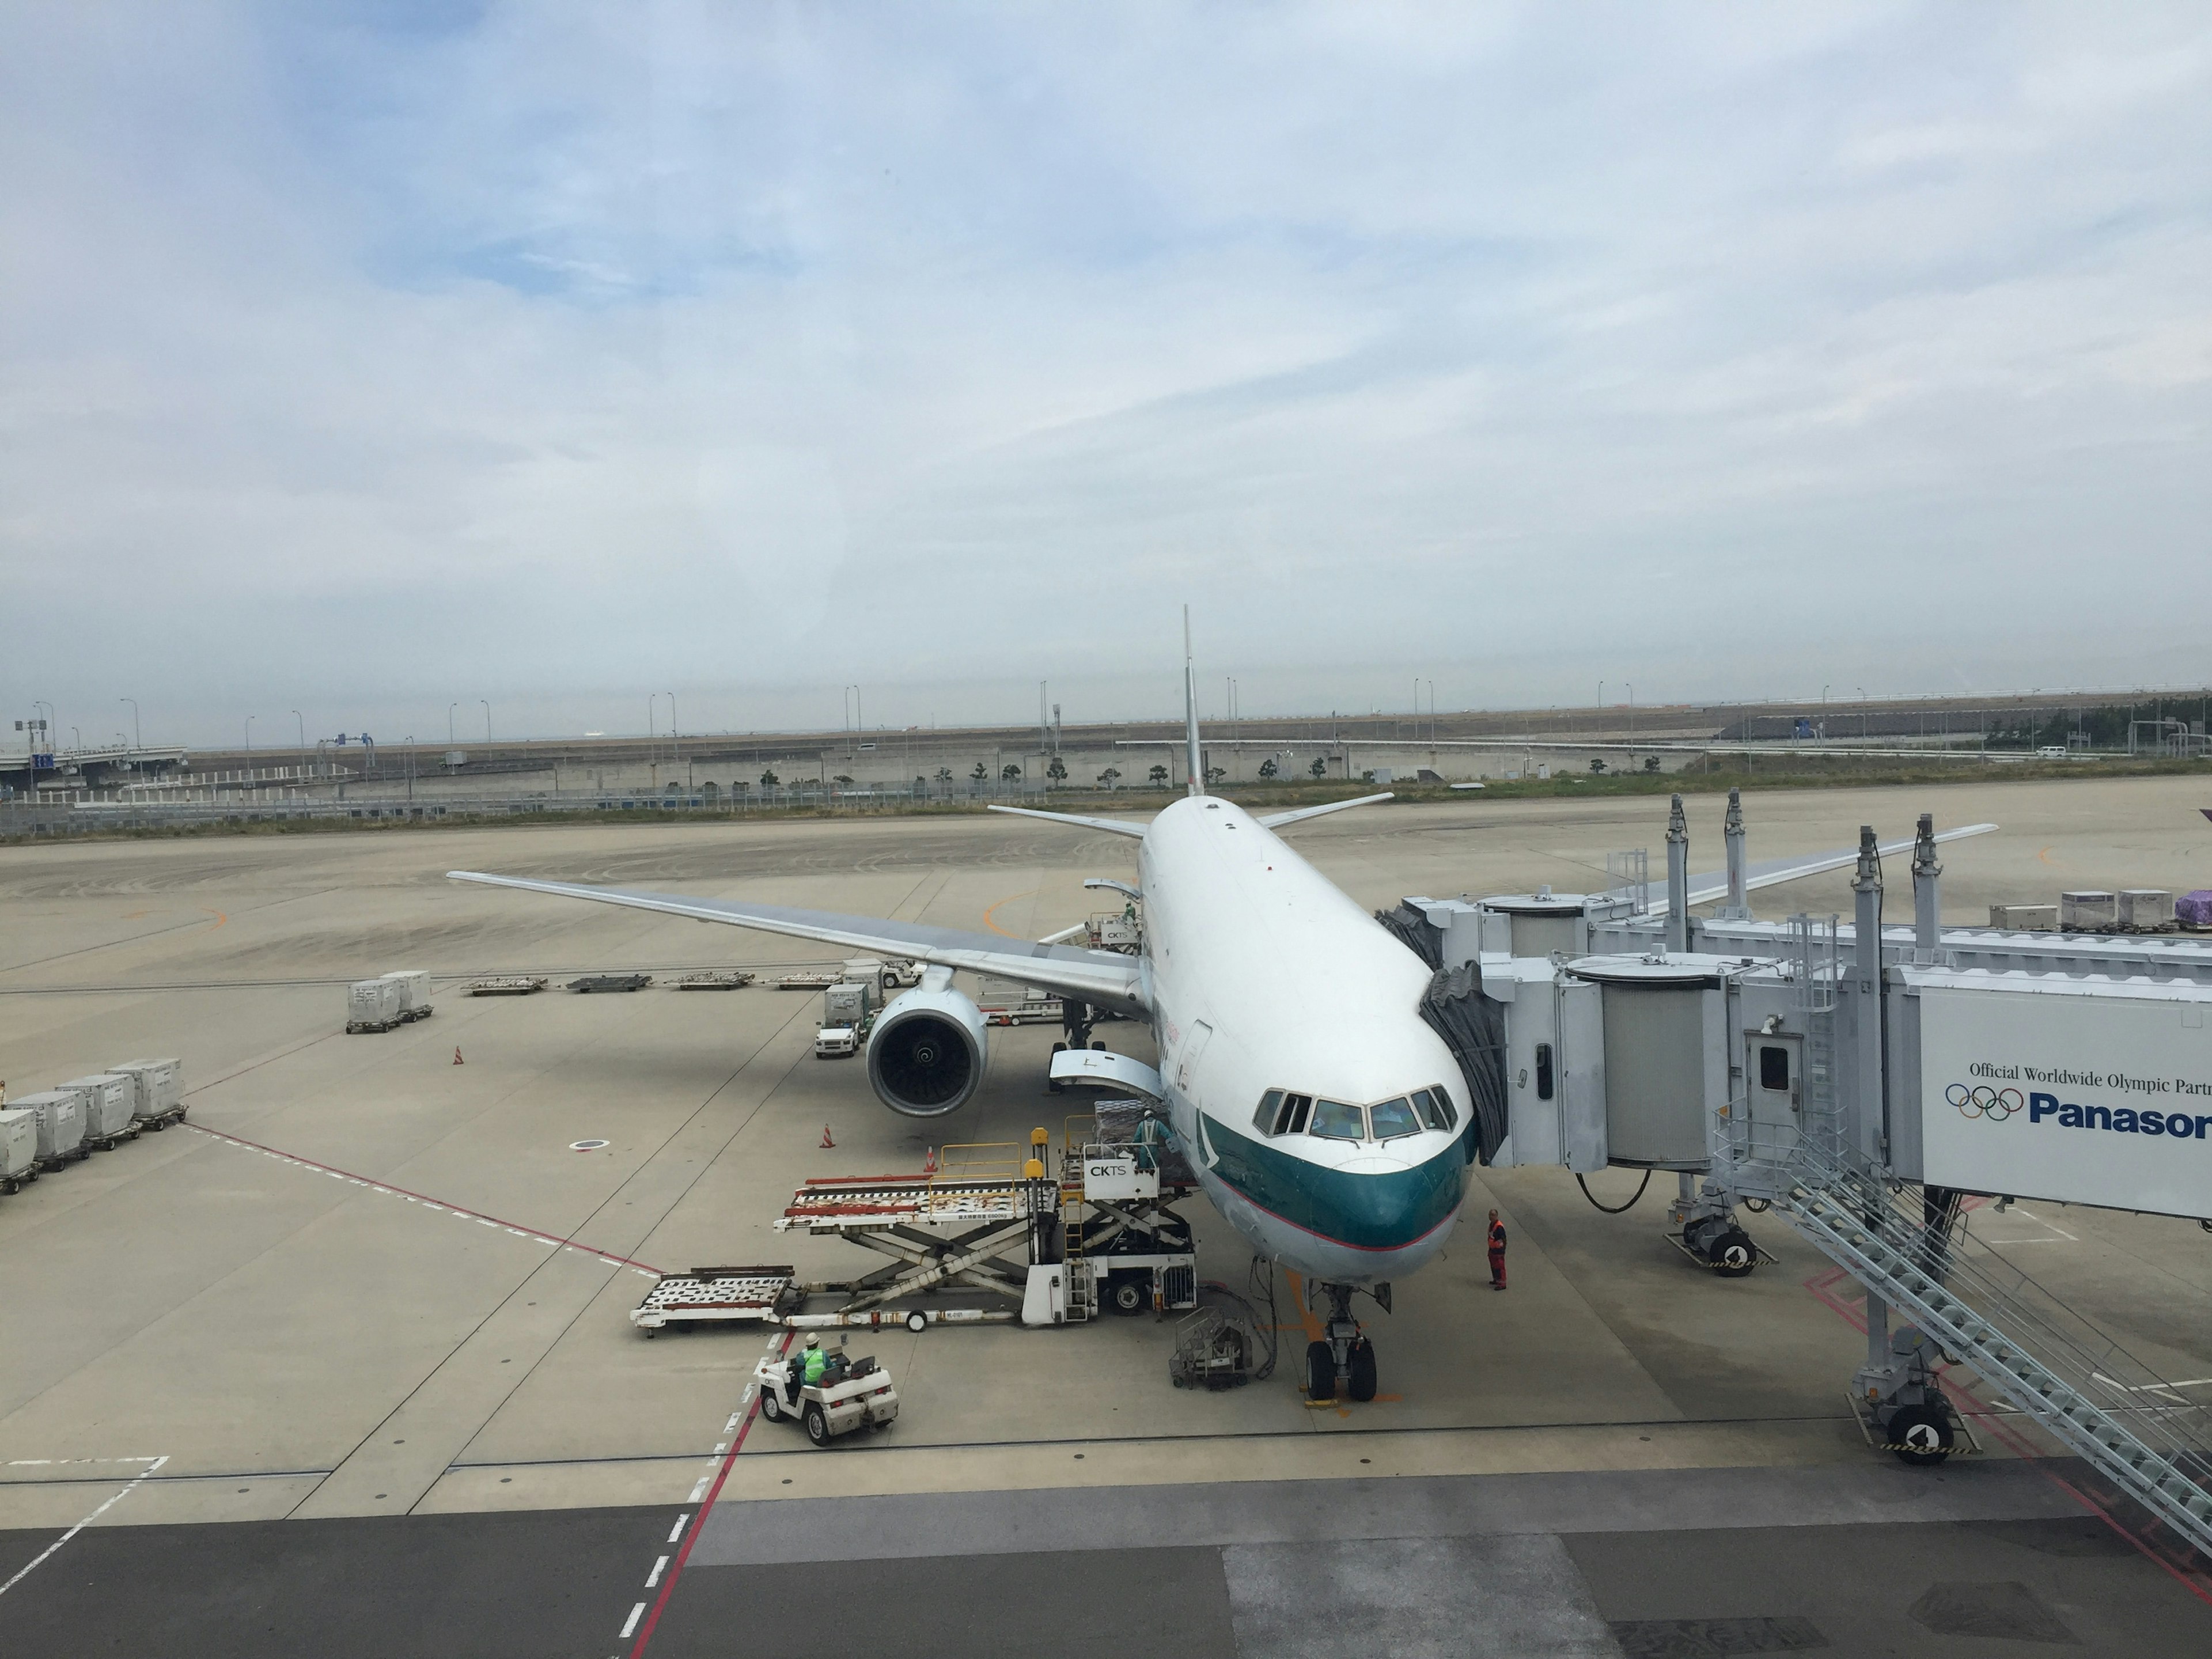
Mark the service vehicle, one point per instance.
(853, 1393)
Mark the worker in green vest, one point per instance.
(1151, 1135)
(816, 1361)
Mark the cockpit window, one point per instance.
(1436, 1109)
(1271, 1104)
(1334, 1121)
(1282, 1114)
(1393, 1118)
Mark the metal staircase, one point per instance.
(2090, 1393)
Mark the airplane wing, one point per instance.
(1103, 976)
(1772, 872)
(1111, 826)
(1277, 820)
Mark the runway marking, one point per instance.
(631, 1623)
(456, 1210)
(130, 1487)
(679, 1532)
(749, 1412)
(652, 1578)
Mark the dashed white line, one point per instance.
(652, 1578)
(631, 1623)
(700, 1491)
(680, 1520)
(129, 1486)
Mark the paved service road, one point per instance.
(1550, 1567)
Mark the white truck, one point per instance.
(848, 1010)
(853, 1393)
(374, 1005)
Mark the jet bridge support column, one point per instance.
(1927, 900)
(1678, 879)
(1863, 1118)
(1738, 907)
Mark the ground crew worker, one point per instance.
(811, 1363)
(1496, 1252)
(1151, 1135)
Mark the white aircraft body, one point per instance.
(1328, 1124)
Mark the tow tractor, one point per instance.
(853, 1393)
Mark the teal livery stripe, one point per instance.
(1365, 1211)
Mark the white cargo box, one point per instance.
(414, 992)
(2145, 908)
(2025, 918)
(19, 1142)
(108, 1099)
(61, 1121)
(2089, 912)
(847, 1004)
(374, 1005)
(160, 1084)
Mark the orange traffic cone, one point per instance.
(457, 1060)
(929, 1164)
(826, 1141)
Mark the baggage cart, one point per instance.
(372, 1005)
(19, 1148)
(106, 1098)
(61, 1126)
(159, 1090)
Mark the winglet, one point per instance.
(1194, 760)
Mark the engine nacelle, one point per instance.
(926, 1052)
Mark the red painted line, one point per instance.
(1820, 1284)
(423, 1198)
(699, 1521)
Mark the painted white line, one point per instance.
(680, 1520)
(611, 1261)
(129, 1486)
(721, 1446)
(49, 1462)
(731, 1427)
(652, 1578)
(700, 1491)
(631, 1623)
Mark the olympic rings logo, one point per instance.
(1982, 1101)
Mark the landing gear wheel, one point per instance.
(1127, 1294)
(1098, 1045)
(917, 1322)
(1733, 1255)
(818, 1424)
(1920, 1435)
(771, 1407)
(1053, 1085)
(1321, 1371)
(1363, 1369)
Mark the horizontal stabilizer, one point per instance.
(1111, 826)
(1277, 820)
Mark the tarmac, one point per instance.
(342, 1363)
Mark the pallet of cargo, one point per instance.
(591, 982)
(713, 979)
(717, 1295)
(503, 984)
(813, 979)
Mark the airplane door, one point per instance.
(1774, 1079)
(1185, 1103)
(1194, 1046)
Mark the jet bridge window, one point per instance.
(1774, 1067)
(1545, 1084)
(1436, 1109)
(1334, 1121)
(1393, 1118)
(1282, 1114)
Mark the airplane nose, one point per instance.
(1400, 1202)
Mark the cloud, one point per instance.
(365, 360)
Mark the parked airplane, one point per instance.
(1326, 1121)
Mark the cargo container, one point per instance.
(2025, 918)
(108, 1098)
(2089, 912)
(19, 1147)
(158, 1086)
(61, 1125)
(374, 1005)
(2146, 910)
(414, 992)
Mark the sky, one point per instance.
(383, 363)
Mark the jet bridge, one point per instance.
(1860, 1081)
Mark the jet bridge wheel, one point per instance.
(1321, 1371)
(1733, 1255)
(1920, 1435)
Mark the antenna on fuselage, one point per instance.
(1193, 761)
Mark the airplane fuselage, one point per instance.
(1267, 983)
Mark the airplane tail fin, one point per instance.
(1195, 759)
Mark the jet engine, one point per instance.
(926, 1052)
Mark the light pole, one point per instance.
(137, 742)
(1863, 716)
(249, 734)
(450, 739)
(302, 719)
(411, 766)
(675, 743)
(487, 708)
(1631, 723)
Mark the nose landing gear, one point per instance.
(1345, 1357)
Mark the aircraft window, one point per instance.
(1774, 1068)
(1334, 1121)
(1435, 1107)
(1544, 1074)
(1264, 1118)
(1299, 1107)
(1444, 1105)
(1393, 1118)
